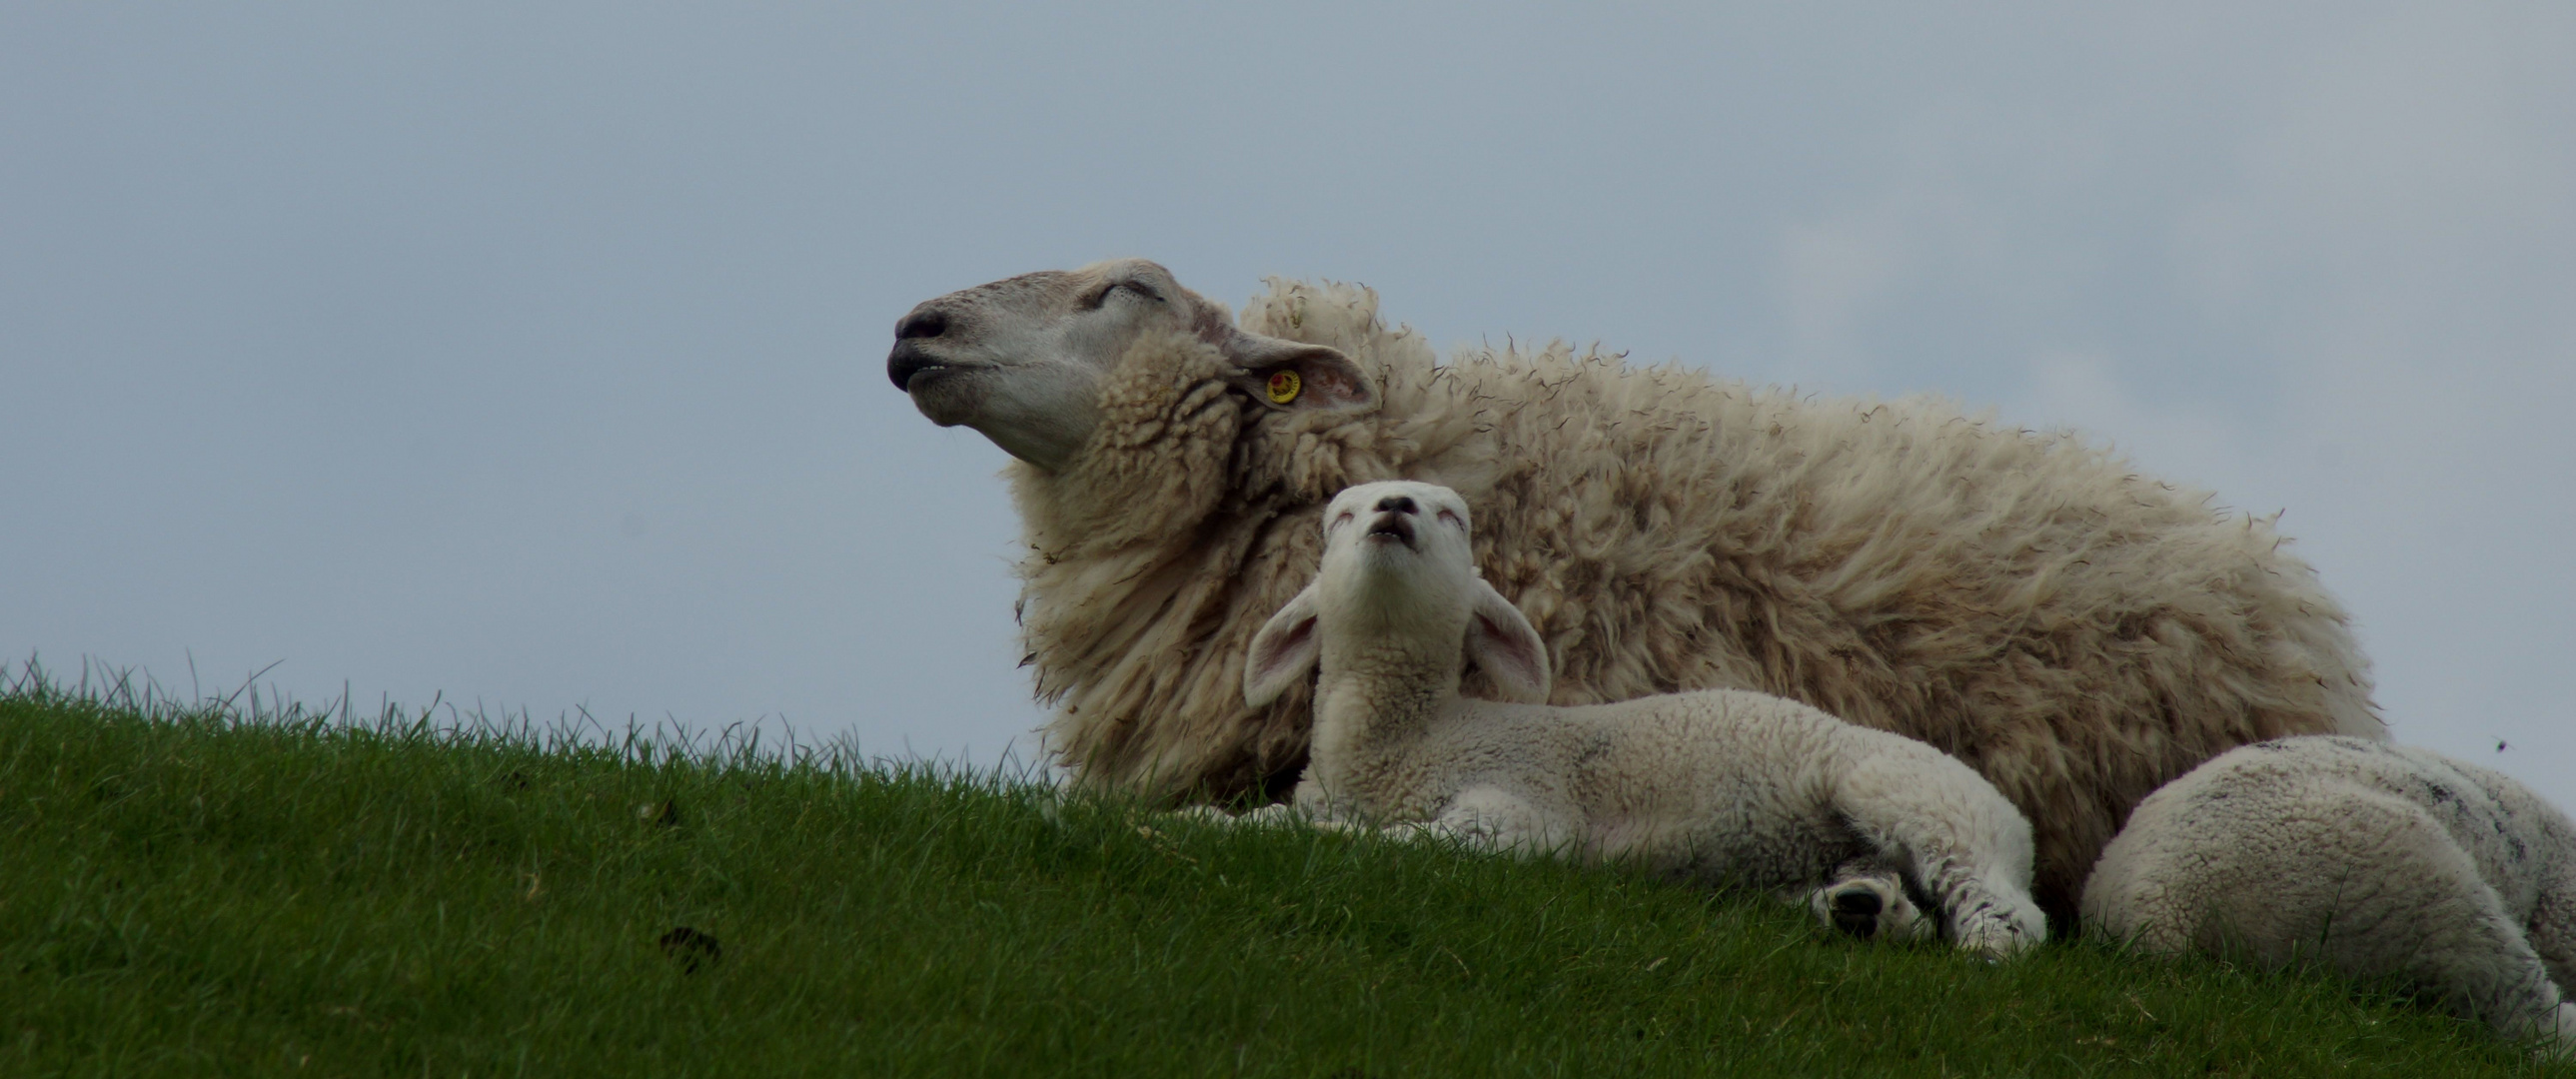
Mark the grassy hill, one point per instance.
(198, 891)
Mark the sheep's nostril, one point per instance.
(921, 324)
(1398, 503)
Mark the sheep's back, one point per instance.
(2076, 632)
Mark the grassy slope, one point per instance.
(183, 894)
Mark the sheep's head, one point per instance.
(1398, 567)
(1021, 359)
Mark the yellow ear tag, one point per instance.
(1284, 386)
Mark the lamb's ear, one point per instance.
(1292, 377)
(1502, 643)
(1282, 653)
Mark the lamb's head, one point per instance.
(1398, 574)
(1021, 359)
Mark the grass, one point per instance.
(196, 890)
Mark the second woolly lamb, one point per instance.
(1717, 787)
(2383, 862)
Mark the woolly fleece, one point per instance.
(2075, 632)
(2385, 862)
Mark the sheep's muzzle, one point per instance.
(908, 360)
(1393, 526)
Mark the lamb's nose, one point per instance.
(921, 324)
(1398, 503)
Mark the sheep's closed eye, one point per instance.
(1338, 521)
(1100, 299)
(1452, 518)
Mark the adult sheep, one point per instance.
(2076, 632)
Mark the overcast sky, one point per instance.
(534, 354)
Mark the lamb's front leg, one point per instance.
(1962, 840)
(1308, 805)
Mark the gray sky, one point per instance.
(537, 357)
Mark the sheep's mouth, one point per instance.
(1394, 527)
(910, 363)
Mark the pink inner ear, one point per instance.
(1509, 645)
(1282, 648)
(1329, 381)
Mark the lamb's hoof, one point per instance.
(1995, 940)
(1856, 912)
(1870, 908)
(1997, 924)
(1992, 950)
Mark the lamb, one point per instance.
(2382, 861)
(2077, 633)
(1719, 786)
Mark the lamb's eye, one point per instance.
(1338, 522)
(1452, 518)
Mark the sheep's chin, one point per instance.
(1012, 408)
(947, 396)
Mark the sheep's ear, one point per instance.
(1502, 643)
(1282, 653)
(1295, 377)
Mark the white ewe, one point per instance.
(2384, 862)
(2076, 632)
(1720, 786)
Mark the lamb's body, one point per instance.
(1719, 787)
(1719, 784)
(2383, 861)
(2075, 632)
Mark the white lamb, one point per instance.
(2382, 861)
(1718, 786)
